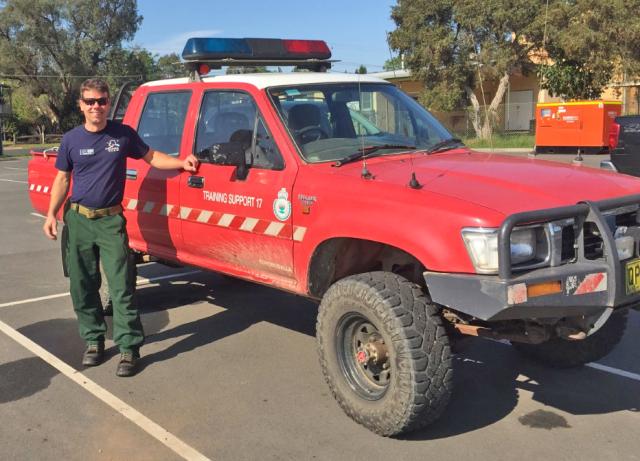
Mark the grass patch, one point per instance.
(503, 141)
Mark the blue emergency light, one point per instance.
(255, 51)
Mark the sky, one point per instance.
(355, 30)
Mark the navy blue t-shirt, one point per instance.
(98, 162)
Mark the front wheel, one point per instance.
(384, 352)
(563, 353)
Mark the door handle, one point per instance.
(195, 181)
(132, 174)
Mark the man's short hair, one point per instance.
(94, 84)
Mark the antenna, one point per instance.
(366, 174)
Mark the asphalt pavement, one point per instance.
(230, 372)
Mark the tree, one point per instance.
(168, 66)
(246, 70)
(50, 46)
(456, 46)
(33, 111)
(361, 70)
(394, 63)
(588, 42)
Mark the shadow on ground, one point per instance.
(489, 376)
(24, 378)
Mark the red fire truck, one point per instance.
(342, 188)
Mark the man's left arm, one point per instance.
(163, 161)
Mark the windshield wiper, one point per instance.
(445, 144)
(370, 151)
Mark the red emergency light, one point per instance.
(217, 52)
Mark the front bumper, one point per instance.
(581, 287)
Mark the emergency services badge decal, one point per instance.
(282, 205)
(113, 145)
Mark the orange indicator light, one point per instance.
(544, 288)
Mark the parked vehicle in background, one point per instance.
(344, 189)
(624, 145)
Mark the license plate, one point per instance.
(632, 277)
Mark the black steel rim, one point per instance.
(363, 356)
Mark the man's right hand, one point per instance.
(51, 227)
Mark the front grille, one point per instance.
(626, 219)
(568, 251)
(593, 244)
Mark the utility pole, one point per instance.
(5, 109)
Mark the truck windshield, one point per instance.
(332, 122)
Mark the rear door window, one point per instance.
(162, 120)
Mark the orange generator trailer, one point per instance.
(576, 125)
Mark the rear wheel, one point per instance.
(564, 353)
(384, 352)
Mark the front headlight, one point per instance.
(528, 245)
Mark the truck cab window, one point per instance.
(227, 123)
(162, 120)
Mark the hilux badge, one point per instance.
(282, 205)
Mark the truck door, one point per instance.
(151, 194)
(234, 220)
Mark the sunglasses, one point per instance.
(92, 101)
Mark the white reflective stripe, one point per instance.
(32, 186)
(204, 216)
(46, 189)
(148, 207)
(225, 220)
(249, 224)
(274, 228)
(184, 212)
(298, 233)
(166, 209)
(39, 188)
(133, 203)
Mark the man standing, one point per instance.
(94, 155)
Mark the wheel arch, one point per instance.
(339, 257)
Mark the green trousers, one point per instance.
(95, 241)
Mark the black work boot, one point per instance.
(93, 355)
(127, 364)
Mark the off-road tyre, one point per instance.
(562, 353)
(417, 385)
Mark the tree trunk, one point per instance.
(474, 111)
(483, 126)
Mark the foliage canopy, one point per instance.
(50, 46)
(589, 42)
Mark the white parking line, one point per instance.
(153, 429)
(594, 365)
(12, 168)
(38, 215)
(615, 371)
(140, 282)
(33, 300)
(11, 180)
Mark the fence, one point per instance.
(34, 138)
(514, 118)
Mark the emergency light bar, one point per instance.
(217, 52)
